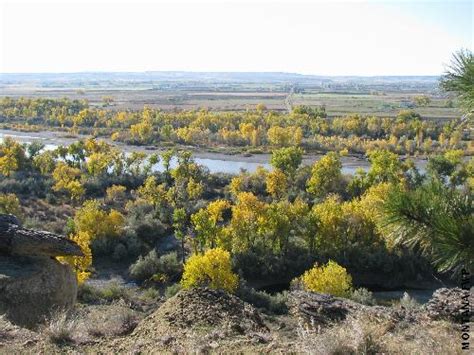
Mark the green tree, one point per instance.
(384, 167)
(326, 175)
(437, 220)
(180, 220)
(459, 79)
(287, 159)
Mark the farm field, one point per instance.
(218, 92)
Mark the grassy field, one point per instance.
(381, 96)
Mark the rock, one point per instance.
(32, 288)
(447, 304)
(201, 309)
(166, 340)
(314, 310)
(33, 284)
(16, 240)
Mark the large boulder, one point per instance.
(33, 284)
(449, 304)
(314, 310)
(32, 288)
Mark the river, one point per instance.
(215, 162)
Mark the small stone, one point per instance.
(214, 344)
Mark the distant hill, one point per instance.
(206, 77)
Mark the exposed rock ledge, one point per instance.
(33, 284)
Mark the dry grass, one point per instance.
(60, 329)
(366, 335)
(111, 321)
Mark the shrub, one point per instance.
(212, 269)
(275, 304)
(150, 294)
(331, 279)
(363, 296)
(60, 328)
(408, 302)
(164, 268)
(114, 291)
(172, 290)
(88, 294)
(9, 203)
(117, 321)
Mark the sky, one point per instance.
(308, 37)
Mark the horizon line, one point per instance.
(217, 72)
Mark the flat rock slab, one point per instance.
(16, 240)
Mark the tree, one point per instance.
(247, 215)
(326, 175)
(68, 179)
(180, 220)
(116, 193)
(384, 167)
(448, 166)
(459, 79)
(206, 223)
(166, 157)
(10, 204)
(92, 219)
(142, 131)
(45, 162)
(422, 100)
(277, 184)
(12, 157)
(99, 163)
(153, 192)
(287, 159)
(331, 279)
(212, 269)
(34, 148)
(80, 264)
(436, 220)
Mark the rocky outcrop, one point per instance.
(33, 284)
(315, 310)
(16, 240)
(204, 308)
(449, 304)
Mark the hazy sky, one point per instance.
(311, 37)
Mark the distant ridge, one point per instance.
(218, 77)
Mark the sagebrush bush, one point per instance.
(212, 269)
(152, 267)
(114, 291)
(272, 303)
(116, 321)
(88, 294)
(172, 290)
(363, 296)
(408, 302)
(60, 328)
(331, 279)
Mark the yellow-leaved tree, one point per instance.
(332, 279)
(67, 178)
(212, 269)
(277, 183)
(80, 264)
(91, 222)
(9, 203)
(206, 224)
